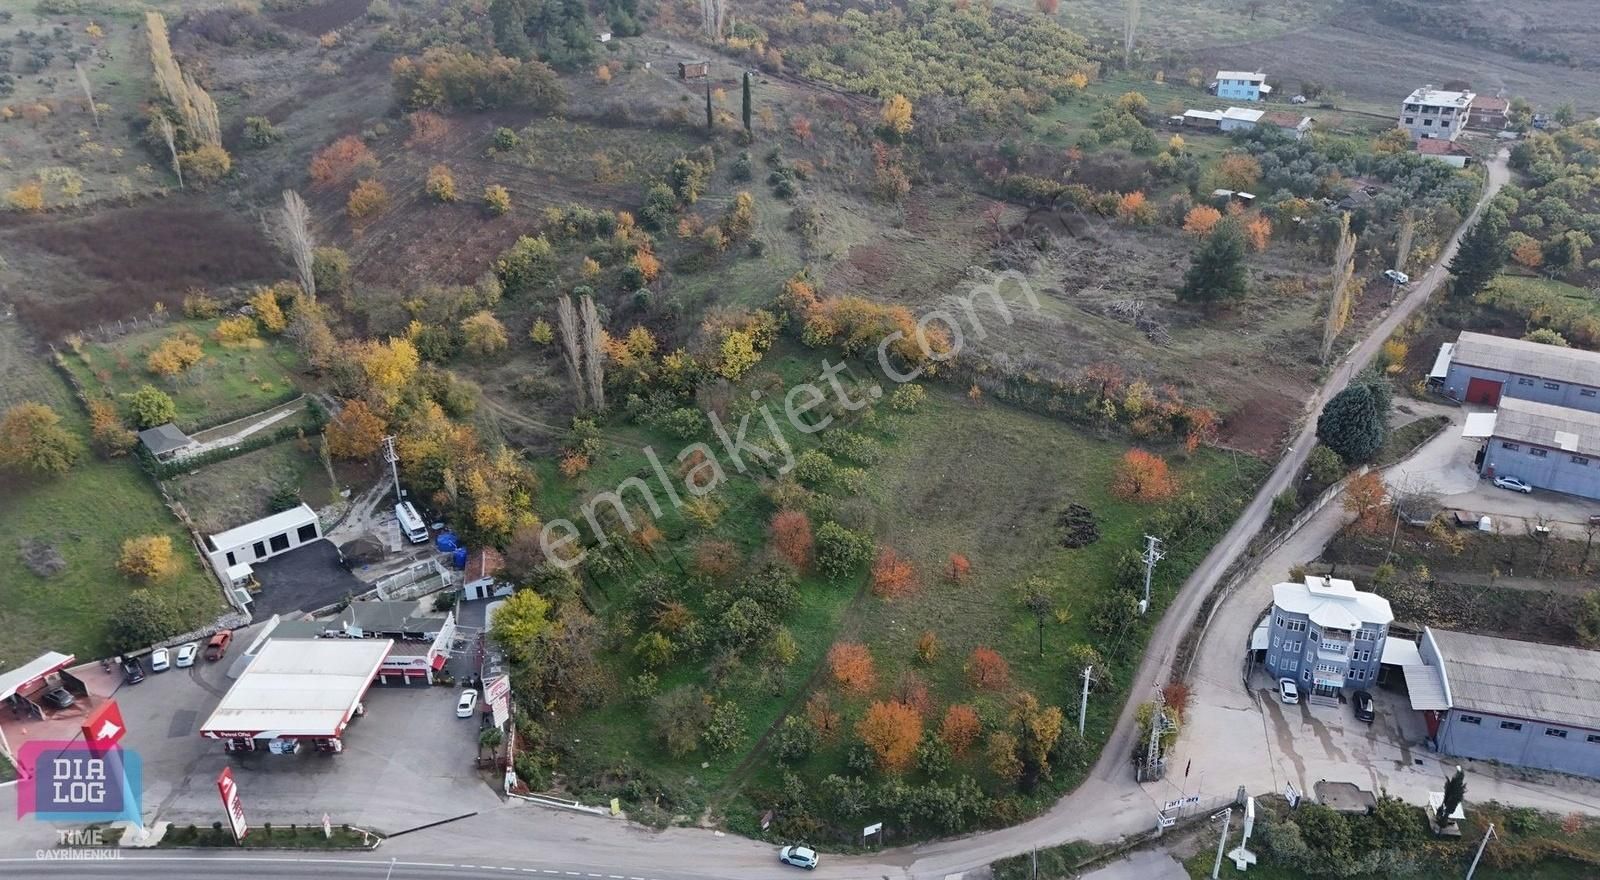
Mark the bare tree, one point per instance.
(207, 123)
(164, 125)
(1339, 289)
(712, 15)
(1130, 31)
(571, 347)
(293, 234)
(194, 108)
(88, 93)
(594, 355)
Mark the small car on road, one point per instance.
(218, 646)
(1513, 484)
(160, 660)
(1362, 703)
(467, 703)
(799, 856)
(186, 655)
(1287, 691)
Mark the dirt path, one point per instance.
(240, 430)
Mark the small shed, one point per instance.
(166, 442)
(694, 69)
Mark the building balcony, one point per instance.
(1339, 648)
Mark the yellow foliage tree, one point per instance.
(175, 354)
(896, 115)
(268, 312)
(483, 334)
(441, 184)
(27, 197)
(235, 331)
(148, 558)
(366, 200)
(736, 355)
(388, 366)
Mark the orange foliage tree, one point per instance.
(1201, 219)
(1366, 497)
(1258, 232)
(791, 537)
(960, 568)
(1143, 476)
(1176, 696)
(341, 160)
(1528, 254)
(1135, 209)
(852, 667)
(1238, 171)
(960, 728)
(987, 670)
(355, 432)
(892, 575)
(892, 730)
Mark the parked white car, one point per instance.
(467, 703)
(160, 660)
(799, 856)
(186, 655)
(1287, 691)
(1513, 484)
(1397, 276)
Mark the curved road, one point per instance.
(1109, 805)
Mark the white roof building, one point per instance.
(1428, 96)
(1332, 603)
(1254, 76)
(298, 688)
(263, 539)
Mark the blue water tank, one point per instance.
(446, 542)
(459, 558)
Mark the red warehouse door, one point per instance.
(1484, 391)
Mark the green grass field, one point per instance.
(231, 382)
(223, 495)
(1545, 302)
(84, 515)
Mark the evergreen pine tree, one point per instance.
(1481, 256)
(747, 129)
(1217, 271)
(1352, 424)
(708, 107)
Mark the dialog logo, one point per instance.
(74, 782)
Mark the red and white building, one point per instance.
(297, 692)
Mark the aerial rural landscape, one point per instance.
(675, 439)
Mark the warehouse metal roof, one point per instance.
(1527, 358)
(298, 687)
(1557, 427)
(1521, 679)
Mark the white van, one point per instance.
(411, 524)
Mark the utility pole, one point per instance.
(1083, 702)
(1152, 555)
(1486, 835)
(1154, 764)
(1227, 819)
(393, 457)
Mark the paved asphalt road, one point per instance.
(1107, 806)
(136, 866)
